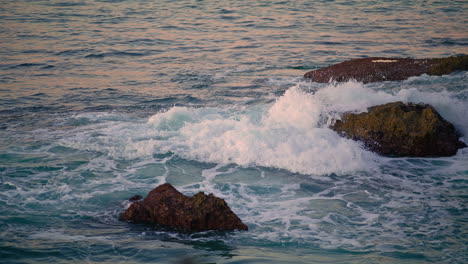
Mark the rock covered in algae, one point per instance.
(387, 69)
(398, 129)
(166, 206)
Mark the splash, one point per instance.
(292, 133)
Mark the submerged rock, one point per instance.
(387, 69)
(398, 129)
(135, 197)
(166, 206)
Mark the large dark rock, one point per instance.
(398, 129)
(387, 69)
(166, 206)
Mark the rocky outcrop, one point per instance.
(166, 206)
(398, 129)
(387, 69)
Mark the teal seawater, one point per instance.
(101, 100)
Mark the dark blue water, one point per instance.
(101, 100)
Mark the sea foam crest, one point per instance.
(292, 133)
(289, 134)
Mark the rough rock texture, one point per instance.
(387, 69)
(166, 206)
(398, 129)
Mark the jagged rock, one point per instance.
(166, 206)
(387, 69)
(398, 129)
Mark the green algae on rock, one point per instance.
(398, 129)
(378, 69)
(443, 66)
(166, 206)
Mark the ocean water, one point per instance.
(102, 99)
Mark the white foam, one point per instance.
(295, 110)
(288, 136)
(351, 96)
(59, 235)
(291, 133)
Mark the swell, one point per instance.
(291, 133)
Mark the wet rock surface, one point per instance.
(168, 207)
(135, 197)
(387, 69)
(398, 129)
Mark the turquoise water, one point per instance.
(101, 100)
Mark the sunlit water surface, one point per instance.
(101, 100)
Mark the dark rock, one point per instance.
(135, 197)
(387, 69)
(398, 129)
(166, 206)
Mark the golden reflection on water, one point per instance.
(208, 36)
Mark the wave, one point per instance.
(291, 133)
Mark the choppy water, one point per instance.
(100, 100)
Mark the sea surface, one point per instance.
(101, 100)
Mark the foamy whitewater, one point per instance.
(102, 100)
(292, 133)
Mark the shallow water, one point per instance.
(100, 100)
